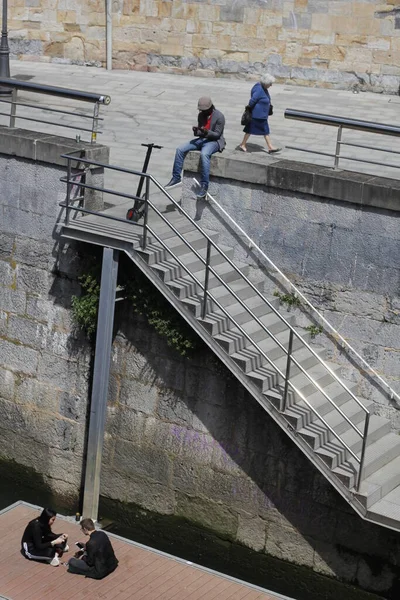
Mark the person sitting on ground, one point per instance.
(98, 559)
(40, 543)
(208, 140)
(260, 106)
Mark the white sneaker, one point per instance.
(66, 549)
(55, 562)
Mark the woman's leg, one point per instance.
(269, 145)
(244, 142)
(45, 555)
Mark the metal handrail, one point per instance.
(298, 293)
(343, 123)
(90, 97)
(243, 332)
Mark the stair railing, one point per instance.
(147, 229)
(290, 358)
(299, 294)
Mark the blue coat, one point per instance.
(259, 102)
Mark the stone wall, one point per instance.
(184, 439)
(308, 42)
(336, 238)
(44, 367)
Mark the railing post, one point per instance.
(287, 374)
(146, 213)
(13, 111)
(95, 124)
(364, 445)
(337, 151)
(69, 185)
(206, 278)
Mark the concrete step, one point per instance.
(233, 339)
(316, 433)
(183, 287)
(170, 269)
(219, 322)
(249, 359)
(241, 288)
(155, 253)
(377, 455)
(330, 448)
(305, 385)
(380, 483)
(387, 510)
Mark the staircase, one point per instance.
(262, 346)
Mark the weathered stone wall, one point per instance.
(337, 240)
(44, 369)
(312, 42)
(183, 438)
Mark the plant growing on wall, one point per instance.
(144, 298)
(288, 299)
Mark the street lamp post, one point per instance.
(4, 49)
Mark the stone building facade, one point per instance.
(330, 43)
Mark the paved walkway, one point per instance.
(161, 108)
(142, 574)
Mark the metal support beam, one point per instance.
(101, 374)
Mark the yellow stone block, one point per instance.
(271, 19)
(238, 56)
(248, 44)
(332, 52)
(363, 9)
(171, 49)
(203, 41)
(300, 5)
(344, 39)
(268, 33)
(246, 30)
(164, 9)
(208, 12)
(178, 25)
(322, 22)
(67, 16)
(340, 8)
(311, 51)
(252, 16)
(321, 37)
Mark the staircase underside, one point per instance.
(378, 499)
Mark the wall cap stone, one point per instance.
(316, 180)
(38, 146)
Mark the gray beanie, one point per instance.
(204, 103)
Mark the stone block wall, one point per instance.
(44, 365)
(352, 43)
(337, 240)
(183, 438)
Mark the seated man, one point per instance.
(209, 139)
(99, 559)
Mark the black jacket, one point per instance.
(100, 556)
(38, 535)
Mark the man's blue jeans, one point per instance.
(207, 149)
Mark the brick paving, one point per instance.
(142, 574)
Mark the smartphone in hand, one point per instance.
(80, 545)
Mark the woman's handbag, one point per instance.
(271, 110)
(246, 116)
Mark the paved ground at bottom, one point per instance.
(142, 573)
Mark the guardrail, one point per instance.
(345, 123)
(70, 180)
(58, 92)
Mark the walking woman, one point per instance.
(260, 103)
(40, 543)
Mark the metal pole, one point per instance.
(204, 311)
(337, 151)
(67, 209)
(146, 213)
(364, 445)
(287, 374)
(13, 111)
(4, 50)
(108, 35)
(101, 375)
(95, 124)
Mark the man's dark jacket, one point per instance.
(215, 133)
(100, 557)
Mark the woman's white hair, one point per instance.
(267, 79)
